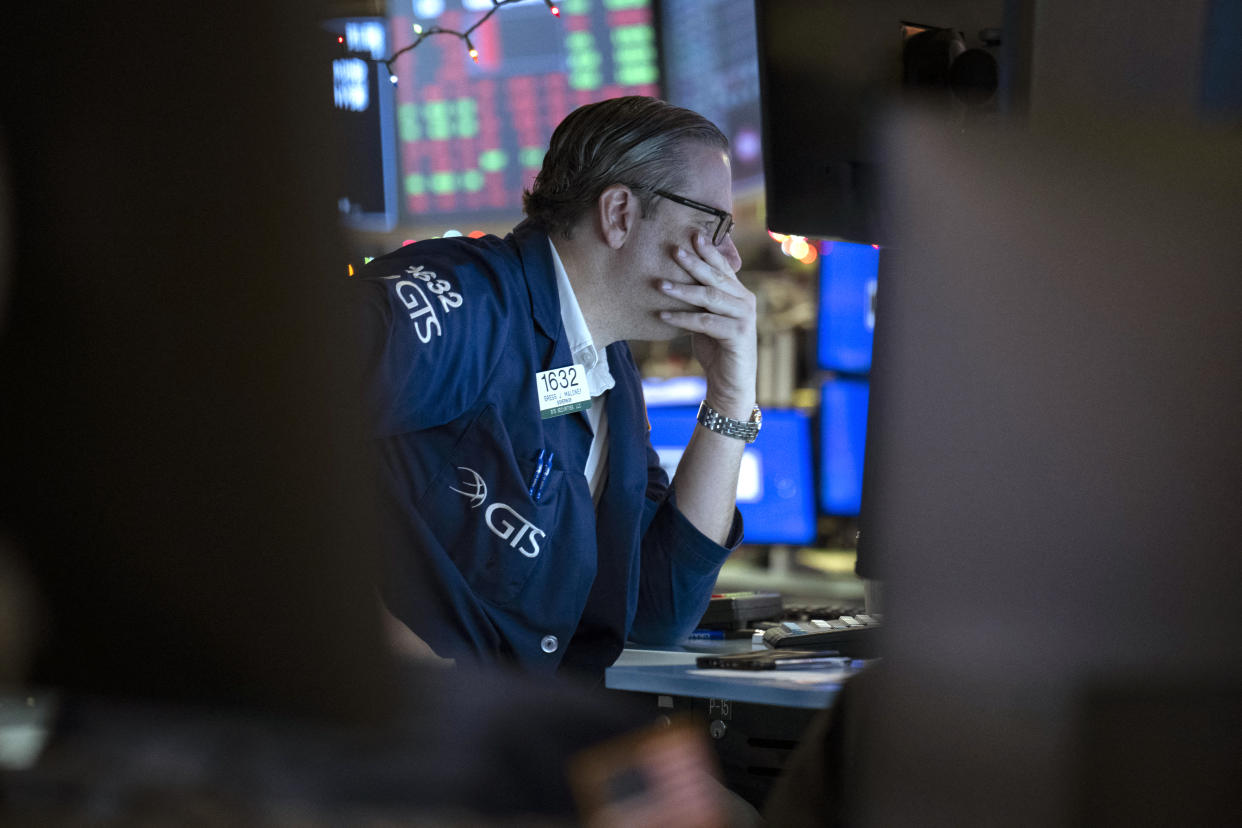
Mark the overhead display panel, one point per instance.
(474, 118)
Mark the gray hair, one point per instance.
(636, 141)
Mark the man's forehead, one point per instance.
(713, 178)
(709, 153)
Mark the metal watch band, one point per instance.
(713, 420)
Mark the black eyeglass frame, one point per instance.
(724, 221)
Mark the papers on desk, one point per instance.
(782, 678)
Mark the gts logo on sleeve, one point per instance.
(501, 519)
(412, 291)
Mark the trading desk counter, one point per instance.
(671, 671)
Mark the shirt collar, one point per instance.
(581, 345)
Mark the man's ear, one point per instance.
(618, 213)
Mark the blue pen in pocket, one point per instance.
(541, 473)
(534, 478)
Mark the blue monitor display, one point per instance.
(847, 281)
(843, 434)
(776, 488)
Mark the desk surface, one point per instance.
(671, 671)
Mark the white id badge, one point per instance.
(562, 390)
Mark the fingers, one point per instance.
(717, 326)
(715, 288)
(721, 306)
(715, 300)
(707, 265)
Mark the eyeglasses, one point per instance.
(724, 221)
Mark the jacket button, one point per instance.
(549, 644)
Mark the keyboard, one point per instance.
(807, 612)
(855, 636)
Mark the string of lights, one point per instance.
(423, 34)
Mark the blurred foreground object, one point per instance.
(1053, 466)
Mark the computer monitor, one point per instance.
(471, 135)
(828, 71)
(843, 436)
(365, 121)
(776, 489)
(716, 39)
(847, 287)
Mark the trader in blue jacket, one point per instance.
(530, 521)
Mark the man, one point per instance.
(524, 530)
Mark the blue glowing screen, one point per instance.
(847, 284)
(843, 434)
(776, 488)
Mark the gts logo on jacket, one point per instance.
(413, 295)
(498, 515)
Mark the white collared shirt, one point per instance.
(599, 377)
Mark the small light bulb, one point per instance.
(418, 29)
(393, 79)
(340, 39)
(474, 55)
(556, 11)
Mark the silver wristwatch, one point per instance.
(713, 420)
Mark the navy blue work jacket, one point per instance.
(456, 330)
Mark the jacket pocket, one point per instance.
(484, 516)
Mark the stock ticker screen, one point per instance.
(471, 135)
